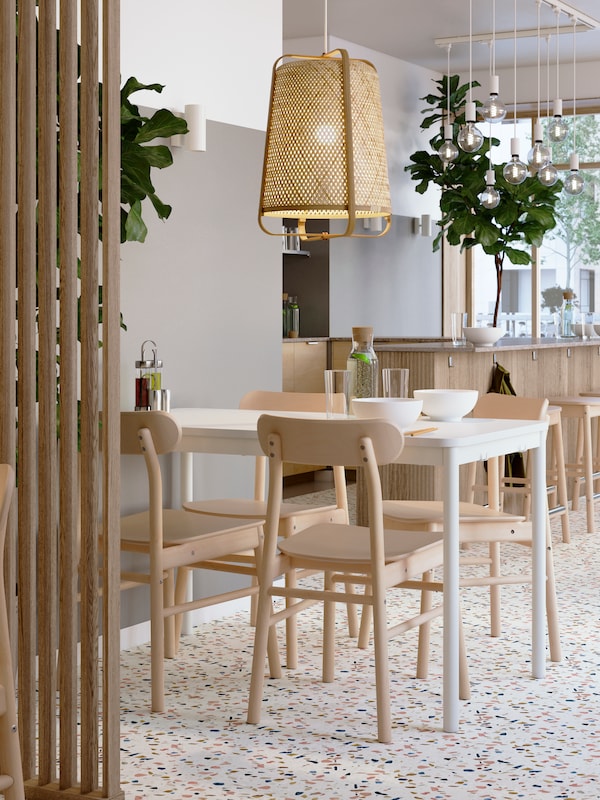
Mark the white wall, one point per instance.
(218, 53)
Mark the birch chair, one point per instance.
(345, 554)
(293, 517)
(11, 770)
(488, 524)
(167, 540)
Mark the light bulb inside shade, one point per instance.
(493, 109)
(470, 138)
(548, 174)
(490, 197)
(574, 182)
(557, 127)
(448, 151)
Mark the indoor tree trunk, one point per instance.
(498, 263)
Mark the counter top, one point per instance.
(446, 346)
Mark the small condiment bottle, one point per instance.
(148, 378)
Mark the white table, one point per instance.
(233, 431)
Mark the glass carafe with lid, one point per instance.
(363, 363)
(567, 315)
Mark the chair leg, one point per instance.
(168, 602)
(423, 647)
(157, 644)
(366, 620)
(291, 626)
(262, 645)
(495, 596)
(382, 666)
(552, 606)
(328, 632)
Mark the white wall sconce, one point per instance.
(422, 225)
(195, 139)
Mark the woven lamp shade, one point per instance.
(325, 152)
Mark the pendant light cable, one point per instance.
(515, 72)
(326, 46)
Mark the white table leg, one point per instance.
(451, 591)
(538, 556)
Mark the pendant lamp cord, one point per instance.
(548, 90)
(515, 72)
(539, 4)
(325, 47)
(557, 12)
(448, 85)
(470, 50)
(493, 53)
(574, 82)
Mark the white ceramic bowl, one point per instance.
(483, 336)
(402, 411)
(447, 405)
(584, 329)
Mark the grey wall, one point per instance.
(393, 283)
(206, 287)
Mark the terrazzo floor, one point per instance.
(519, 737)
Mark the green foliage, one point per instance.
(525, 213)
(138, 158)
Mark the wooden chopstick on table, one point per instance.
(420, 431)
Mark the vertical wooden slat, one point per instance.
(27, 472)
(111, 149)
(47, 535)
(89, 394)
(69, 477)
(7, 282)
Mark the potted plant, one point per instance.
(523, 215)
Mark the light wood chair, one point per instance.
(11, 770)
(488, 524)
(293, 516)
(171, 540)
(344, 553)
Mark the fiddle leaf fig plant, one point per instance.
(525, 211)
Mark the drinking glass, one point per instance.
(458, 321)
(395, 382)
(337, 391)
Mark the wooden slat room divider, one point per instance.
(67, 464)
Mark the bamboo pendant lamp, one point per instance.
(324, 152)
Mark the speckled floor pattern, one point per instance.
(519, 737)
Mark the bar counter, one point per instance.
(538, 368)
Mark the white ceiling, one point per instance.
(407, 29)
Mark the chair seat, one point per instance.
(180, 527)
(432, 511)
(349, 546)
(246, 507)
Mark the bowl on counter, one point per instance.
(483, 336)
(402, 411)
(447, 405)
(585, 329)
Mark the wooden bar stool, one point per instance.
(558, 497)
(583, 409)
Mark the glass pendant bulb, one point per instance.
(515, 171)
(448, 151)
(493, 109)
(557, 127)
(539, 153)
(574, 182)
(470, 138)
(548, 174)
(490, 197)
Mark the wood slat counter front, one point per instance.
(537, 367)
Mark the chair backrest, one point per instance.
(507, 406)
(330, 441)
(259, 400)
(164, 429)
(367, 443)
